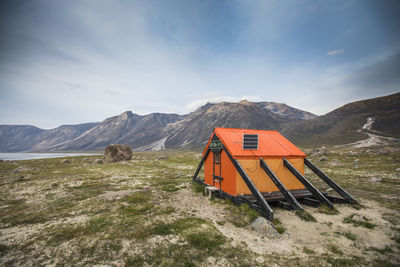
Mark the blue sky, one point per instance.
(67, 62)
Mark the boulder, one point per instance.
(117, 152)
(264, 227)
(323, 159)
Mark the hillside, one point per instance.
(343, 125)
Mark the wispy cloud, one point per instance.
(157, 56)
(335, 52)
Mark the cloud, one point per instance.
(381, 76)
(335, 52)
(216, 99)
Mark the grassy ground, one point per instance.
(147, 212)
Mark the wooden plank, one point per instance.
(307, 184)
(289, 197)
(267, 211)
(330, 182)
(201, 164)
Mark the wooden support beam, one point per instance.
(310, 202)
(330, 182)
(201, 164)
(286, 193)
(307, 184)
(267, 212)
(285, 205)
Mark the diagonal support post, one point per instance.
(330, 182)
(200, 165)
(286, 193)
(265, 208)
(307, 184)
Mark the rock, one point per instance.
(356, 161)
(398, 169)
(353, 153)
(335, 162)
(264, 227)
(65, 161)
(376, 179)
(98, 161)
(117, 152)
(323, 159)
(320, 151)
(163, 157)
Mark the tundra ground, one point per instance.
(147, 211)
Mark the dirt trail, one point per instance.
(327, 231)
(374, 137)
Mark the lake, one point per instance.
(25, 156)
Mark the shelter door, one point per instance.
(217, 174)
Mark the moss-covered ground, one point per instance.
(146, 211)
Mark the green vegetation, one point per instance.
(149, 212)
(278, 226)
(326, 210)
(334, 249)
(308, 250)
(241, 216)
(305, 216)
(350, 236)
(357, 220)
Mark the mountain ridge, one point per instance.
(156, 131)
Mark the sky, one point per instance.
(69, 62)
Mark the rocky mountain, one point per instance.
(152, 131)
(350, 123)
(287, 111)
(127, 128)
(196, 128)
(15, 138)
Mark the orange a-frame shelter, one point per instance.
(257, 167)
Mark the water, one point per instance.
(25, 156)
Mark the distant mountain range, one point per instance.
(159, 131)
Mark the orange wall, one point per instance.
(228, 173)
(262, 181)
(208, 169)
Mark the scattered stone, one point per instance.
(163, 157)
(376, 179)
(320, 151)
(65, 161)
(356, 161)
(398, 169)
(112, 195)
(335, 162)
(22, 169)
(328, 190)
(264, 227)
(352, 153)
(98, 161)
(117, 152)
(323, 159)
